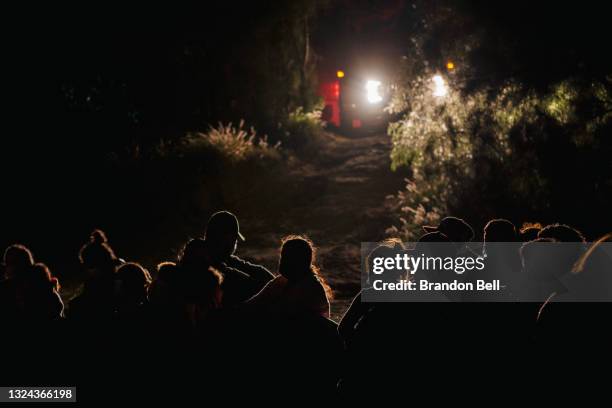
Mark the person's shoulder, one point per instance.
(230, 272)
(239, 263)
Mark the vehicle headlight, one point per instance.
(439, 86)
(373, 91)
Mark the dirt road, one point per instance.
(339, 199)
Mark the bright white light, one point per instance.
(372, 88)
(440, 88)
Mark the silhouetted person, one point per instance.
(591, 277)
(16, 262)
(544, 262)
(200, 284)
(33, 339)
(166, 299)
(287, 329)
(300, 288)
(222, 234)
(576, 324)
(133, 283)
(41, 299)
(561, 233)
(163, 290)
(133, 320)
(437, 245)
(17, 258)
(395, 334)
(502, 260)
(529, 231)
(456, 229)
(499, 230)
(98, 263)
(358, 308)
(565, 234)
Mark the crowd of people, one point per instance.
(224, 317)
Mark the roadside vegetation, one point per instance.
(485, 141)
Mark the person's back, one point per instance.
(581, 316)
(301, 354)
(358, 308)
(309, 354)
(17, 262)
(42, 302)
(96, 303)
(299, 289)
(390, 338)
(165, 298)
(501, 259)
(133, 315)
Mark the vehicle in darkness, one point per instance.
(355, 98)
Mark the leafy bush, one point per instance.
(509, 151)
(522, 129)
(301, 132)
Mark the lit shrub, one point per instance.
(231, 142)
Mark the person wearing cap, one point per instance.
(222, 235)
(456, 229)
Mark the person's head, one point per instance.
(434, 244)
(296, 257)
(456, 229)
(561, 233)
(529, 231)
(436, 236)
(386, 249)
(96, 254)
(222, 234)
(499, 230)
(17, 258)
(39, 276)
(195, 254)
(539, 260)
(575, 242)
(165, 271)
(134, 283)
(423, 247)
(298, 261)
(163, 289)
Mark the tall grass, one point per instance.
(232, 142)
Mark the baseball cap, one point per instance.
(223, 222)
(456, 229)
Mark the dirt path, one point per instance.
(339, 200)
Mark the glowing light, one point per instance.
(450, 65)
(373, 91)
(440, 88)
(340, 74)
